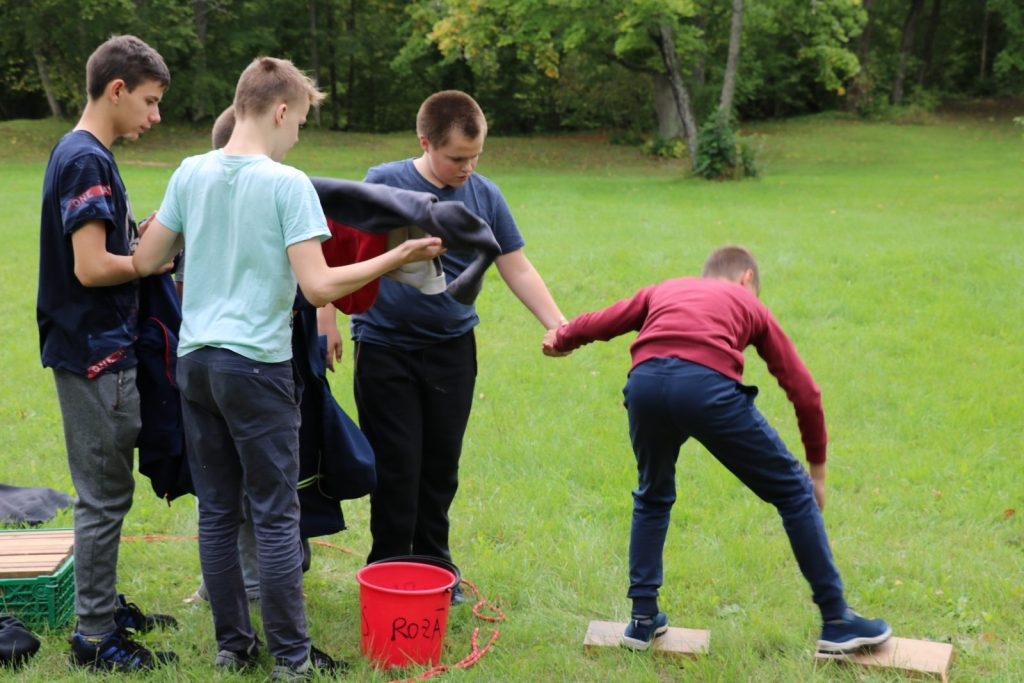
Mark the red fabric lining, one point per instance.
(348, 245)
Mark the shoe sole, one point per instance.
(634, 644)
(846, 647)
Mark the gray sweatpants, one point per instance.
(101, 422)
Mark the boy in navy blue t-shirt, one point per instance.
(87, 311)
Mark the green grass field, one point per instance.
(891, 254)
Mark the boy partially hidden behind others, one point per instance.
(686, 381)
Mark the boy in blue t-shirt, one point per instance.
(87, 312)
(415, 355)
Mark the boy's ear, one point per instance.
(424, 143)
(114, 89)
(279, 111)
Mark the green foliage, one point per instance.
(666, 148)
(535, 65)
(1008, 66)
(720, 154)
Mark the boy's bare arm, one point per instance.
(322, 284)
(156, 249)
(94, 265)
(528, 286)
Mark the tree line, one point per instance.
(637, 66)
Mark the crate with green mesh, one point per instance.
(37, 576)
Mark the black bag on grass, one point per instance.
(17, 643)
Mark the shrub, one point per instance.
(720, 155)
(666, 148)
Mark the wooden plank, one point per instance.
(677, 642)
(34, 565)
(35, 546)
(911, 656)
(12, 536)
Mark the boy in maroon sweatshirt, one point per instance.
(686, 381)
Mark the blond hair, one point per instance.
(268, 81)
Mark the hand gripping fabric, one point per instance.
(377, 209)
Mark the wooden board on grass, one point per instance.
(683, 642)
(911, 656)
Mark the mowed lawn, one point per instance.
(892, 255)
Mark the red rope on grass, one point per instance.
(162, 537)
(476, 652)
(159, 537)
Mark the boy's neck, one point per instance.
(422, 166)
(249, 139)
(98, 123)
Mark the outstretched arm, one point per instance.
(528, 286)
(322, 284)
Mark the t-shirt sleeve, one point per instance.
(169, 213)
(89, 195)
(302, 215)
(503, 224)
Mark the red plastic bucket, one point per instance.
(404, 611)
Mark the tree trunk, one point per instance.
(860, 88)
(350, 96)
(332, 66)
(44, 79)
(906, 47)
(201, 14)
(733, 62)
(698, 70)
(669, 55)
(669, 123)
(984, 45)
(314, 57)
(928, 51)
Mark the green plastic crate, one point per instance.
(41, 601)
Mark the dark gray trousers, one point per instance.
(101, 423)
(242, 430)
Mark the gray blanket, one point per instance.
(32, 505)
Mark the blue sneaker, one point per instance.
(852, 632)
(115, 652)
(640, 633)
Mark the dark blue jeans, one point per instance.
(242, 431)
(670, 400)
(414, 407)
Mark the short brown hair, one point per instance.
(268, 81)
(730, 263)
(125, 57)
(449, 110)
(223, 127)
